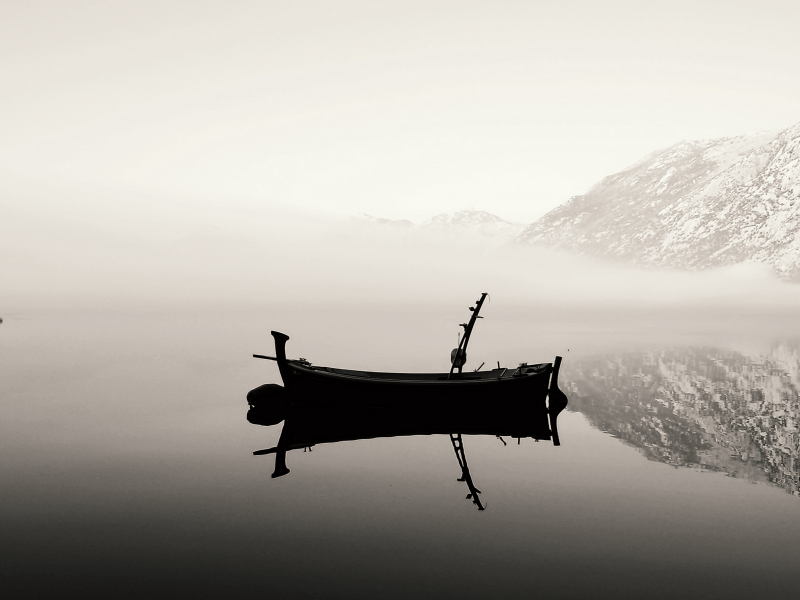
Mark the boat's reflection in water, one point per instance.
(310, 421)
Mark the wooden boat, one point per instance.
(406, 403)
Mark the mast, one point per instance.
(459, 356)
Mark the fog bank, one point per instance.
(64, 248)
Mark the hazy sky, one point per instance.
(398, 109)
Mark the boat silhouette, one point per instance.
(322, 405)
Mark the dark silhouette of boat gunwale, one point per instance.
(381, 378)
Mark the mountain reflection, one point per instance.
(699, 407)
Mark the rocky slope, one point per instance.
(694, 205)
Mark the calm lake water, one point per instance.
(128, 469)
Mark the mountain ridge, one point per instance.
(693, 205)
(470, 221)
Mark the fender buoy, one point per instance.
(268, 404)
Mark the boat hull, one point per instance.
(321, 384)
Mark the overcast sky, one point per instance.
(398, 109)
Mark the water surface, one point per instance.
(128, 467)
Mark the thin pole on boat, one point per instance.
(461, 351)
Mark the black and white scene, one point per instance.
(374, 299)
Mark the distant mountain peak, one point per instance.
(475, 220)
(693, 205)
(462, 222)
(402, 223)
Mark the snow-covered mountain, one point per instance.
(399, 223)
(694, 205)
(462, 223)
(475, 221)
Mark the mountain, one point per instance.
(694, 205)
(399, 223)
(464, 223)
(475, 221)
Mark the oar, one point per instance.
(286, 448)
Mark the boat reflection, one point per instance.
(700, 407)
(312, 421)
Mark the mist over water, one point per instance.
(129, 323)
(73, 247)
